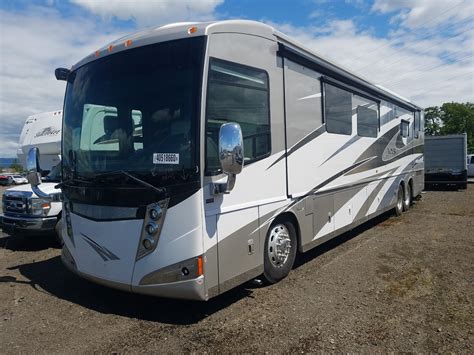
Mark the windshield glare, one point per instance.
(136, 111)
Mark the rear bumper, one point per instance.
(189, 289)
(31, 225)
(445, 178)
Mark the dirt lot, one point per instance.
(395, 284)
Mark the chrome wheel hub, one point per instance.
(407, 197)
(279, 245)
(400, 199)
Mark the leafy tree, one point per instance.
(16, 167)
(451, 118)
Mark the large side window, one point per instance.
(303, 101)
(240, 94)
(367, 116)
(338, 110)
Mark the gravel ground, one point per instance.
(394, 284)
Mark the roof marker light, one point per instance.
(110, 48)
(128, 43)
(192, 30)
(97, 53)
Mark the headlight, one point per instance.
(39, 207)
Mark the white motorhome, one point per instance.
(249, 148)
(42, 130)
(24, 212)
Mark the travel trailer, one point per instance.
(446, 160)
(197, 156)
(42, 130)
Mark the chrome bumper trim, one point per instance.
(33, 224)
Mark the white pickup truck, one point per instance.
(26, 213)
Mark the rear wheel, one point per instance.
(399, 205)
(280, 251)
(408, 198)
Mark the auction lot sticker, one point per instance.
(165, 158)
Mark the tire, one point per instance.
(399, 205)
(407, 198)
(58, 232)
(463, 186)
(280, 250)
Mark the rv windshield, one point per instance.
(136, 111)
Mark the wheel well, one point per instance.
(292, 218)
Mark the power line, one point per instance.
(389, 43)
(426, 70)
(446, 82)
(400, 58)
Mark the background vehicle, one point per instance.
(445, 160)
(26, 213)
(6, 180)
(470, 165)
(152, 202)
(19, 179)
(42, 130)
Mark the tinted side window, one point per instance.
(404, 128)
(338, 110)
(367, 116)
(417, 121)
(238, 94)
(303, 101)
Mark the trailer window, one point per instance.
(237, 93)
(337, 110)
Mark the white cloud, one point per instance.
(152, 12)
(425, 13)
(36, 41)
(32, 45)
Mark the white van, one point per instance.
(470, 165)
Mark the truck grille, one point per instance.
(14, 204)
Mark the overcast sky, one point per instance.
(422, 49)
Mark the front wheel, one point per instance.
(280, 251)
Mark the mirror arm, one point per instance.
(57, 197)
(223, 187)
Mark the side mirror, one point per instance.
(32, 165)
(61, 73)
(34, 175)
(231, 155)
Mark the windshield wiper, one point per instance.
(160, 190)
(65, 182)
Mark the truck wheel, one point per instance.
(58, 231)
(399, 205)
(407, 198)
(463, 186)
(280, 251)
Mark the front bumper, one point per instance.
(32, 225)
(193, 289)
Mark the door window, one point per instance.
(239, 94)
